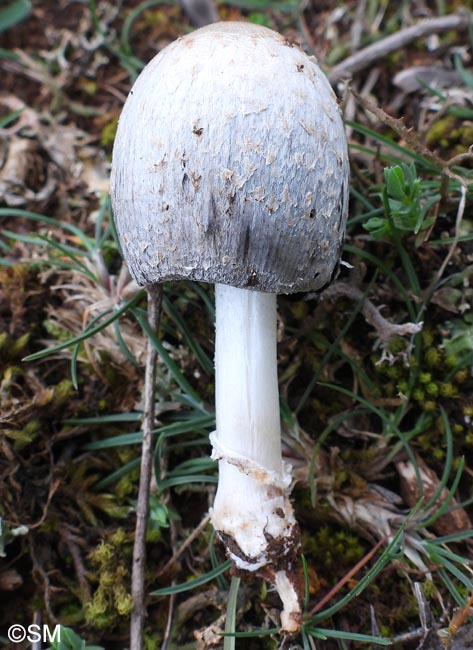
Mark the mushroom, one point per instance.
(230, 166)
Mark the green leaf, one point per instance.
(14, 13)
(394, 178)
(87, 333)
(465, 74)
(69, 640)
(323, 634)
(11, 117)
(378, 227)
(192, 584)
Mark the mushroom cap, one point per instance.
(230, 164)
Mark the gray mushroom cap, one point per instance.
(230, 164)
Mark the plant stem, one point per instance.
(252, 512)
(139, 548)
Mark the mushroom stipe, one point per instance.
(230, 166)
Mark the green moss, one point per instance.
(23, 437)
(466, 134)
(433, 357)
(403, 387)
(432, 389)
(62, 392)
(332, 548)
(111, 600)
(60, 334)
(418, 394)
(447, 389)
(109, 131)
(451, 360)
(17, 347)
(468, 411)
(441, 131)
(397, 345)
(461, 376)
(88, 86)
(393, 372)
(427, 336)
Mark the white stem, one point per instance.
(252, 511)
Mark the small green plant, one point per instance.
(69, 640)
(406, 201)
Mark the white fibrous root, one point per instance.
(252, 512)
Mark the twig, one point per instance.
(413, 635)
(398, 41)
(357, 27)
(139, 548)
(167, 631)
(195, 533)
(458, 221)
(72, 543)
(172, 597)
(39, 570)
(384, 328)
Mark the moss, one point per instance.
(433, 357)
(427, 336)
(60, 334)
(332, 548)
(88, 86)
(393, 372)
(432, 389)
(18, 346)
(468, 411)
(466, 134)
(102, 554)
(108, 133)
(440, 133)
(111, 600)
(403, 387)
(25, 436)
(397, 345)
(62, 392)
(418, 394)
(3, 341)
(122, 600)
(447, 389)
(451, 360)
(461, 376)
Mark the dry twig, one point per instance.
(195, 533)
(139, 548)
(398, 41)
(383, 327)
